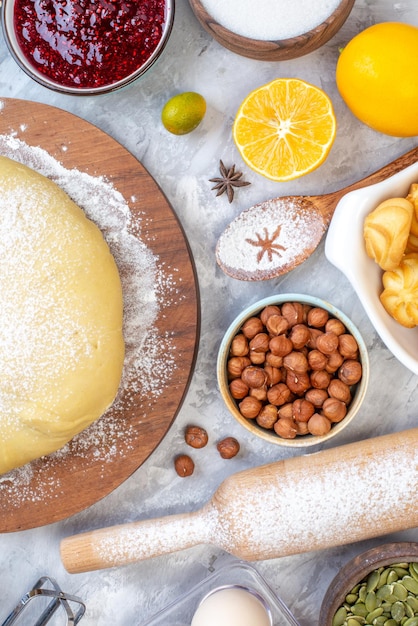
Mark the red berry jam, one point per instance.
(88, 43)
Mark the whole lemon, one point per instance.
(377, 78)
(183, 112)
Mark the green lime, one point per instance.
(183, 113)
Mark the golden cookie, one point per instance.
(400, 294)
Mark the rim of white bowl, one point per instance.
(302, 441)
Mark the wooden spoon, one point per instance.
(273, 237)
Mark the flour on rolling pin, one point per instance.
(334, 497)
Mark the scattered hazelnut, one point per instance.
(184, 465)
(228, 447)
(196, 436)
(251, 327)
(286, 428)
(350, 372)
(317, 317)
(319, 425)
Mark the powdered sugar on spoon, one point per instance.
(273, 237)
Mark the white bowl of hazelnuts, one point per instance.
(293, 369)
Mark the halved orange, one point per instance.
(285, 129)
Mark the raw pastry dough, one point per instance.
(400, 293)
(61, 314)
(386, 231)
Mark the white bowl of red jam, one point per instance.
(86, 47)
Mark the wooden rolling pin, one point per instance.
(333, 497)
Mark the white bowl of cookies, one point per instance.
(373, 240)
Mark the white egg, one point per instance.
(231, 607)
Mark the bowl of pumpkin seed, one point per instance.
(378, 587)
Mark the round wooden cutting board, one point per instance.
(56, 487)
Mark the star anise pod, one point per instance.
(228, 180)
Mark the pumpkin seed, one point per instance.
(340, 617)
(411, 584)
(398, 611)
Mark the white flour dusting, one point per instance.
(147, 288)
(269, 236)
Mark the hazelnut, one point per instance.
(334, 409)
(302, 428)
(299, 336)
(295, 361)
(251, 327)
(327, 343)
(236, 365)
(316, 396)
(267, 416)
(274, 375)
(298, 382)
(278, 394)
(335, 326)
(319, 425)
(259, 343)
(320, 379)
(317, 360)
(184, 465)
(238, 389)
(274, 360)
(258, 392)
(317, 317)
(350, 372)
(196, 436)
(293, 312)
(239, 346)
(277, 325)
(335, 359)
(315, 333)
(257, 358)
(280, 345)
(250, 407)
(286, 428)
(286, 410)
(254, 376)
(269, 310)
(228, 447)
(302, 410)
(339, 390)
(348, 346)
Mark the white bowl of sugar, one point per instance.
(272, 30)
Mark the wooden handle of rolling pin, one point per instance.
(333, 497)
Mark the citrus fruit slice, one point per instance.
(183, 112)
(285, 129)
(377, 78)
